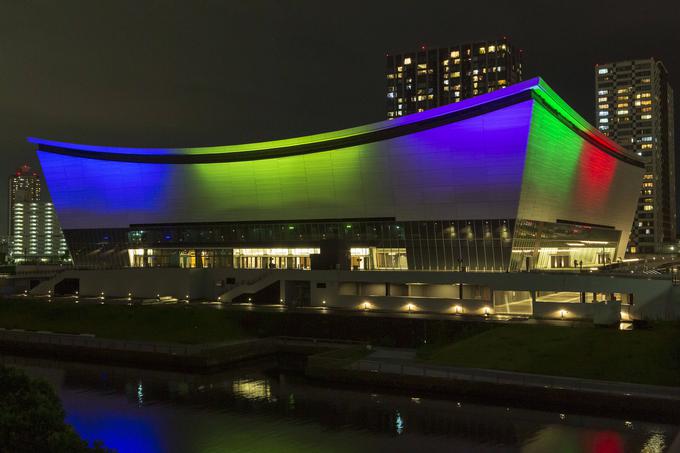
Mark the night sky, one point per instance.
(199, 73)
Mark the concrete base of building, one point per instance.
(602, 298)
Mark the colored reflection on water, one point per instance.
(250, 410)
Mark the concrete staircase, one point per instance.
(257, 284)
(48, 285)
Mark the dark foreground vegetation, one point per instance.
(32, 418)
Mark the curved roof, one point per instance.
(534, 88)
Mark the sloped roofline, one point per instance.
(535, 88)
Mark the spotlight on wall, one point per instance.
(410, 307)
(562, 313)
(366, 305)
(486, 311)
(458, 309)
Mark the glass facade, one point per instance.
(370, 244)
(446, 245)
(544, 245)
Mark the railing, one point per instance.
(243, 287)
(502, 377)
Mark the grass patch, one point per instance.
(174, 323)
(646, 356)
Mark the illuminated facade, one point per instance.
(635, 108)
(417, 81)
(23, 186)
(501, 181)
(35, 235)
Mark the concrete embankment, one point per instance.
(197, 357)
(403, 372)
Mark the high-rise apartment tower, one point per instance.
(35, 235)
(428, 78)
(634, 106)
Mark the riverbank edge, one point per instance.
(651, 407)
(185, 358)
(216, 357)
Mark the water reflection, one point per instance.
(655, 444)
(140, 394)
(399, 423)
(252, 389)
(136, 410)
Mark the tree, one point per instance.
(32, 418)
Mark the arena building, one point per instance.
(509, 180)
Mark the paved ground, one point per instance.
(277, 308)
